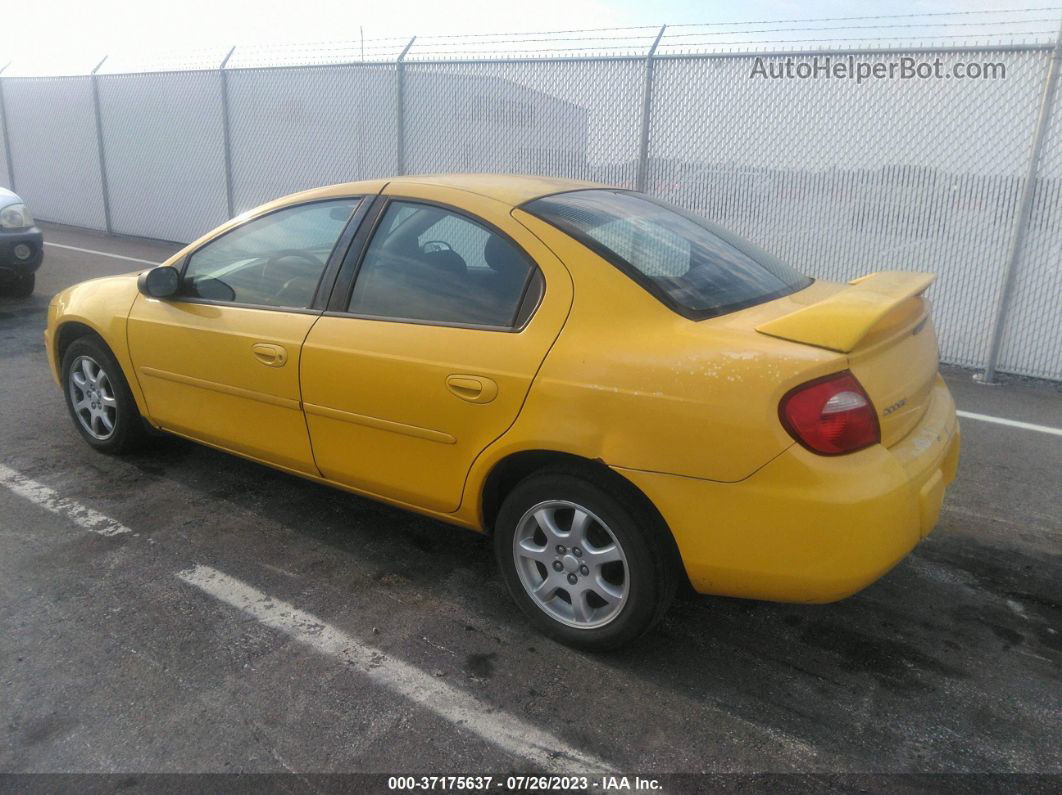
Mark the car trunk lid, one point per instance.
(882, 323)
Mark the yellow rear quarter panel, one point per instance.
(632, 383)
(810, 528)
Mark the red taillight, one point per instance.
(831, 415)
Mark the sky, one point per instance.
(63, 36)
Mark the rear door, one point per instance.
(432, 338)
(220, 363)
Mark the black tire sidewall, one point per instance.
(645, 567)
(128, 430)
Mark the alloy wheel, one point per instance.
(93, 399)
(571, 564)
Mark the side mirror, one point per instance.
(214, 289)
(161, 282)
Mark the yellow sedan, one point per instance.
(628, 398)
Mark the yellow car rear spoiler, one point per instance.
(839, 322)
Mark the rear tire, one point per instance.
(98, 398)
(587, 566)
(20, 286)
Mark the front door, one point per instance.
(220, 364)
(428, 358)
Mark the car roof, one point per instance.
(510, 189)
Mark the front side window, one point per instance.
(275, 260)
(694, 266)
(430, 264)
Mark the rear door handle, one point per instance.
(473, 388)
(270, 355)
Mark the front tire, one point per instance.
(99, 399)
(586, 565)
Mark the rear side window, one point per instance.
(429, 264)
(694, 266)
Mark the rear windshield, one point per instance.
(694, 266)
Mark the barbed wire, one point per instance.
(442, 44)
(432, 37)
(719, 43)
(875, 16)
(858, 38)
(870, 27)
(745, 22)
(648, 37)
(625, 40)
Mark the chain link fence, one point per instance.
(164, 153)
(838, 176)
(54, 148)
(298, 128)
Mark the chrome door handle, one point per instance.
(473, 388)
(270, 355)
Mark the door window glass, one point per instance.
(430, 264)
(275, 260)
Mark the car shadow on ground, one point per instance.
(958, 644)
(18, 308)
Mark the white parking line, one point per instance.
(454, 705)
(101, 253)
(1011, 423)
(49, 499)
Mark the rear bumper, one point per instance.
(808, 528)
(13, 265)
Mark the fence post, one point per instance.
(226, 133)
(1021, 222)
(400, 110)
(100, 148)
(3, 132)
(647, 109)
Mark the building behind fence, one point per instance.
(839, 177)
